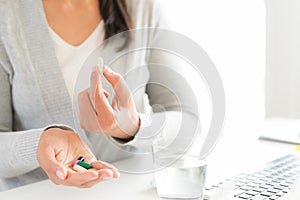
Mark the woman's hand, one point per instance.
(120, 119)
(58, 150)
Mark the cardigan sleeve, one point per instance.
(18, 148)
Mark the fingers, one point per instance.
(95, 84)
(102, 107)
(104, 165)
(96, 88)
(77, 179)
(80, 177)
(46, 156)
(104, 174)
(55, 170)
(88, 117)
(118, 84)
(127, 119)
(103, 170)
(122, 112)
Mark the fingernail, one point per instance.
(108, 70)
(60, 175)
(118, 175)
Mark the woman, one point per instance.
(41, 46)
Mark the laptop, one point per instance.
(276, 180)
(294, 192)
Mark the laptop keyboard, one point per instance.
(271, 182)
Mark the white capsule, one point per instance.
(100, 64)
(78, 168)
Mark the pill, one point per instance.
(76, 161)
(100, 64)
(78, 168)
(81, 159)
(85, 165)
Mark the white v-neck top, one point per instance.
(70, 58)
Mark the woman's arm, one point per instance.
(18, 149)
(53, 149)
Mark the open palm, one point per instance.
(57, 151)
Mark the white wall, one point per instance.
(283, 58)
(233, 34)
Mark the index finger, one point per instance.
(101, 105)
(95, 84)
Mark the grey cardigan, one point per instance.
(34, 95)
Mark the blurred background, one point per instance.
(233, 33)
(255, 45)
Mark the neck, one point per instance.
(74, 2)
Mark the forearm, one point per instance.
(19, 149)
(170, 124)
(18, 152)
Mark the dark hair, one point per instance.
(116, 18)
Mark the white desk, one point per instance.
(133, 187)
(232, 155)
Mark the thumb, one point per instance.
(118, 83)
(60, 172)
(113, 78)
(55, 170)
